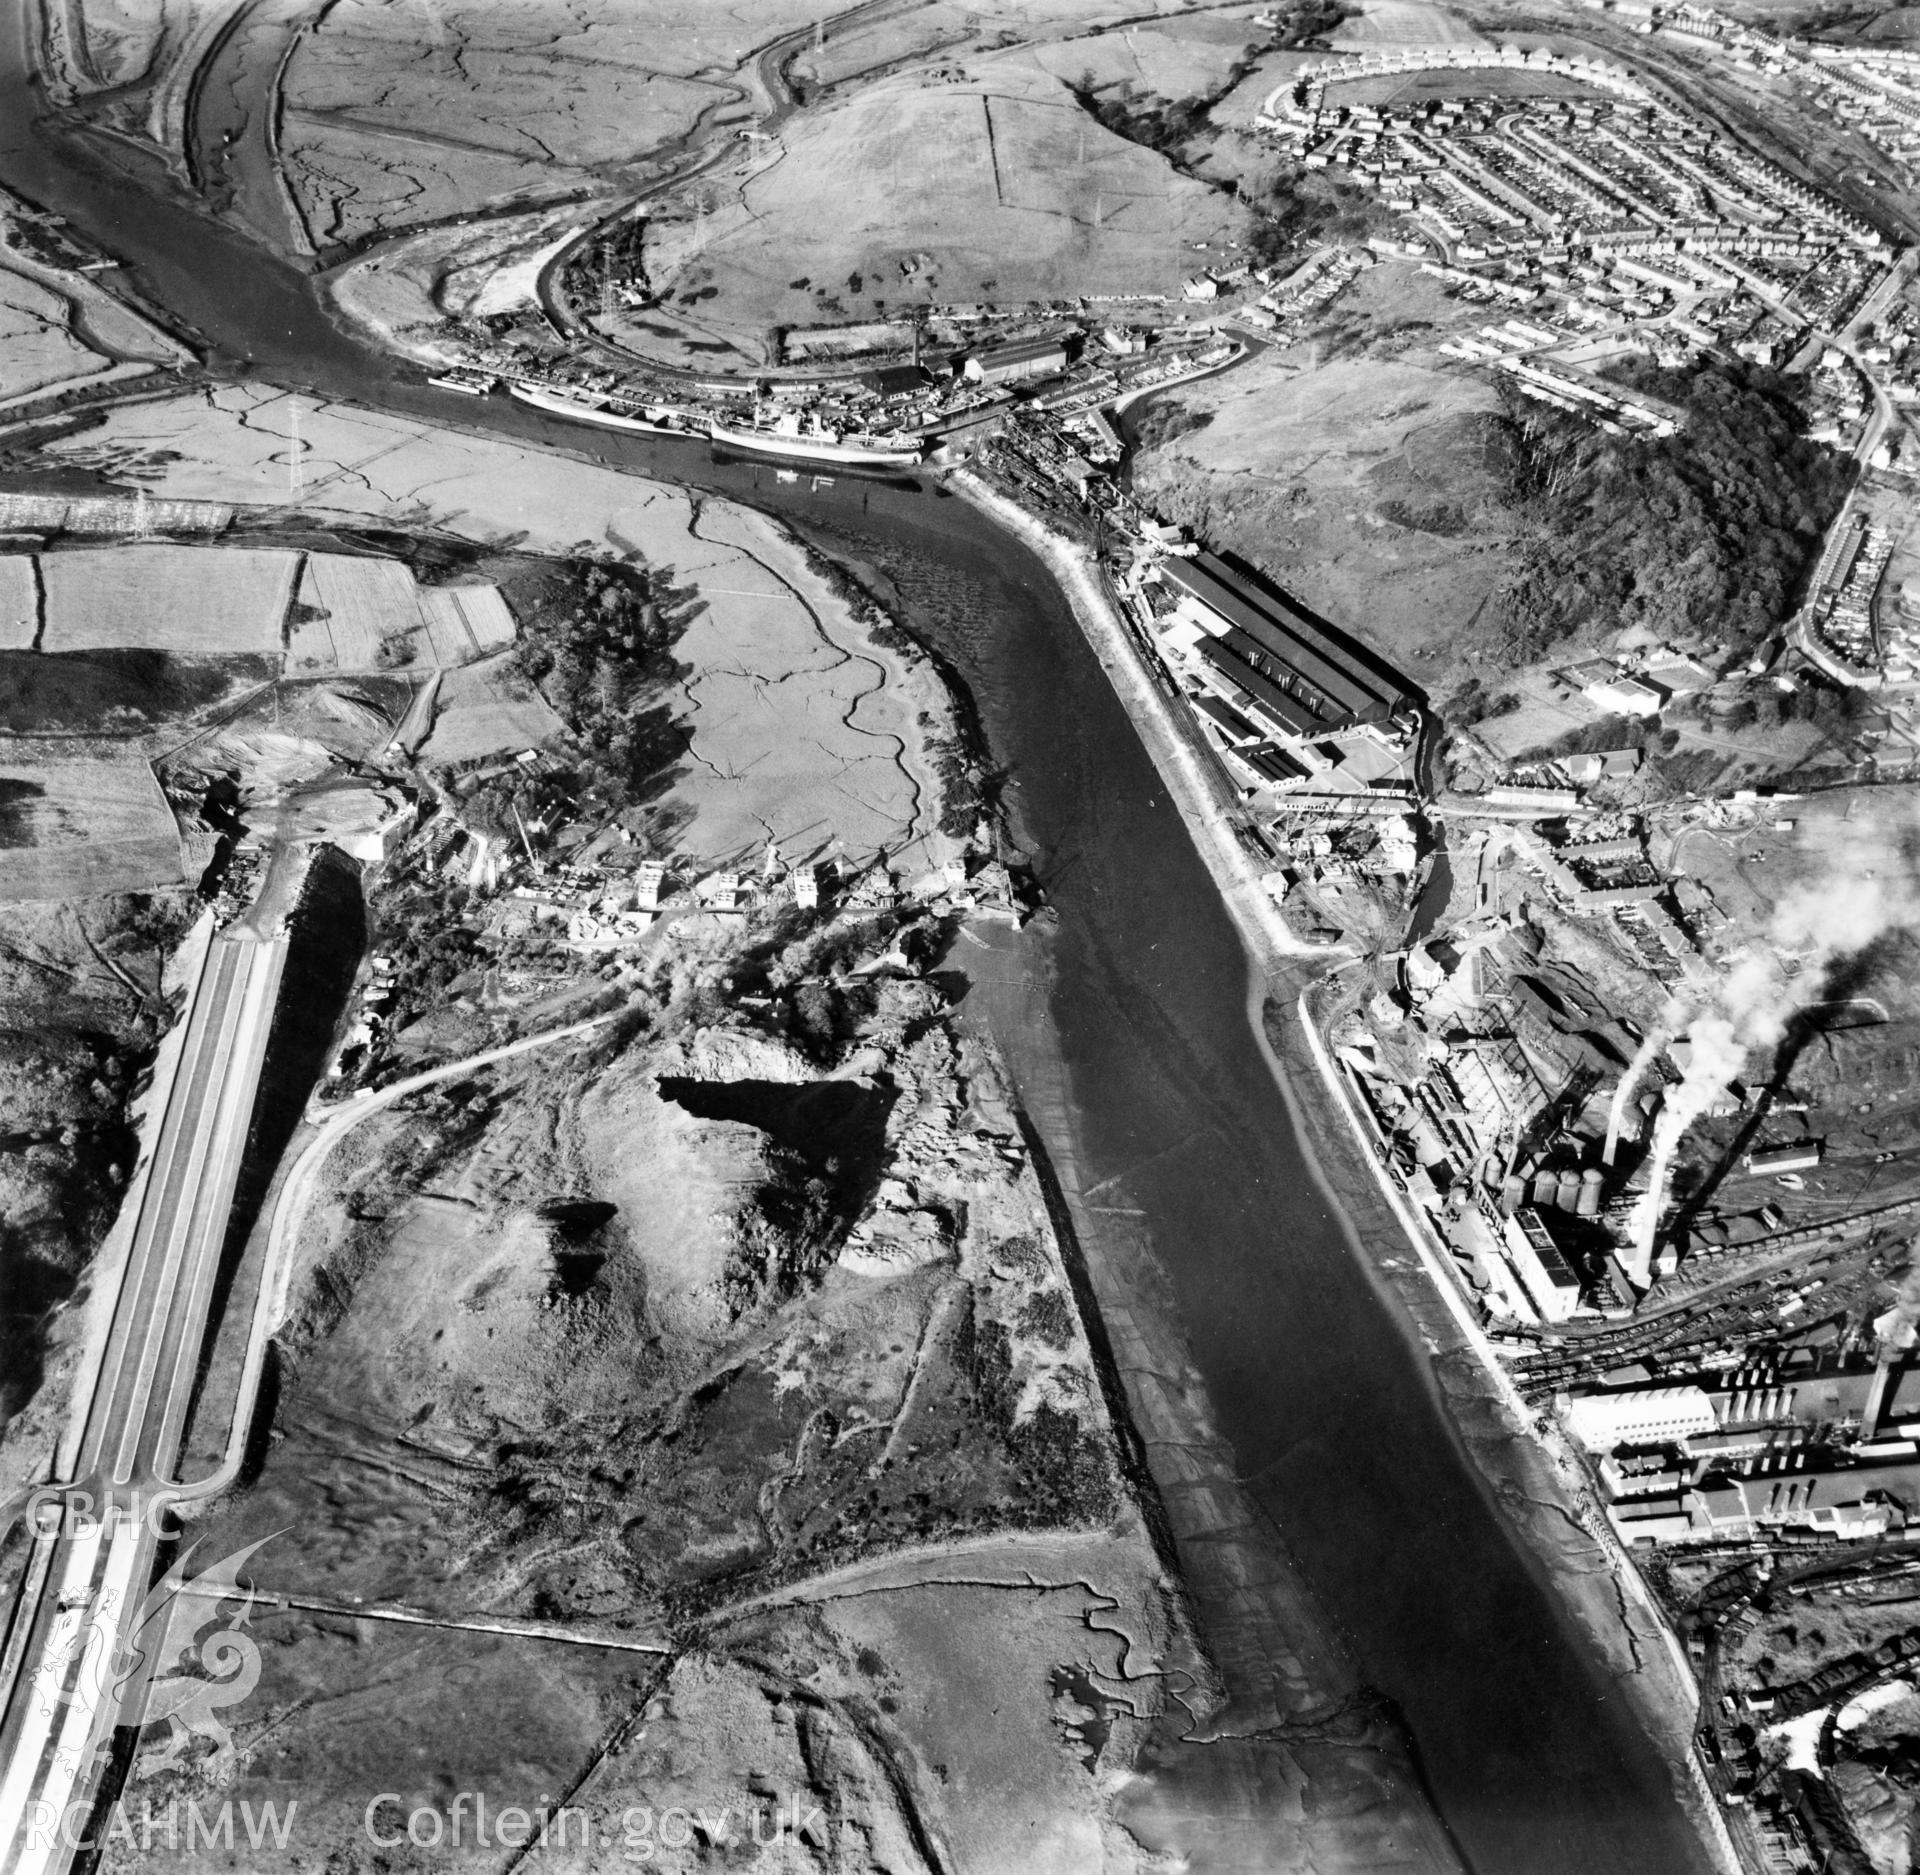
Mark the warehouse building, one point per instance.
(1296, 672)
(1641, 1416)
(896, 380)
(1839, 1500)
(1024, 358)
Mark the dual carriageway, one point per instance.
(69, 1674)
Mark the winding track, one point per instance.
(79, 1606)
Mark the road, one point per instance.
(80, 1603)
(702, 147)
(296, 1193)
(79, 1606)
(1880, 417)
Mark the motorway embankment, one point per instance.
(64, 1695)
(326, 940)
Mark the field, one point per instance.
(904, 182)
(989, 182)
(519, 1384)
(107, 325)
(114, 515)
(115, 693)
(357, 613)
(352, 183)
(466, 622)
(1000, 190)
(1405, 88)
(1176, 56)
(37, 351)
(190, 601)
(487, 709)
(124, 37)
(1403, 22)
(59, 328)
(1896, 602)
(364, 601)
(62, 875)
(1369, 487)
(81, 827)
(825, 725)
(406, 292)
(799, 723)
(829, 341)
(389, 125)
(19, 609)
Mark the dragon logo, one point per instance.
(176, 1663)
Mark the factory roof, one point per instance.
(892, 380)
(1284, 709)
(1818, 1486)
(1233, 725)
(1275, 764)
(1022, 351)
(1314, 653)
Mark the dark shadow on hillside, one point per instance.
(822, 1121)
(830, 1148)
(16, 810)
(328, 937)
(114, 692)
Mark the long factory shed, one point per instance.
(1328, 683)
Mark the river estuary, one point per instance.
(1318, 1380)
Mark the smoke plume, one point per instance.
(1656, 1038)
(1868, 887)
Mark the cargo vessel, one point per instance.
(786, 439)
(609, 412)
(461, 378)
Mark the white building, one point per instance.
(1641, 1416)
(1624, 696)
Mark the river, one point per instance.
(1315, 1375)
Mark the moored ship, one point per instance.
(464, 379)
(610, 412)
(786, 438)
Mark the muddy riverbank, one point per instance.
(1331, 1405)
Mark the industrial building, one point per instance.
(1624, 696)
(1860, 1401)
(1830, 1452)
(1551, 1282)
(896, 380)
(1286, 666)
(1024, 358)
(1841, 1500)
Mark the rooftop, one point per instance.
(1341, 673)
